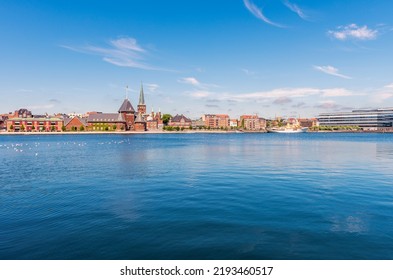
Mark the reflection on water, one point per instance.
(199, 196)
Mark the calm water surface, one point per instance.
(197, 196)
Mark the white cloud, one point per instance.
(353, 31)
(190, 80)
(295, 8)
(152, 87)
(330, 70)
(42, 106)
(328, 104)
(124, 52)
(282, 100)
(290, 93)
(257, 12)
(381, 97)
(248, 72)
(282, 95)
(200, 94)
(337, 92)
(383, 94)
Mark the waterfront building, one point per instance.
(233, 123)
(313, 122)
(75, 123)
(252, 122)
(140, 123)
(127, 113)
(216, 120)
(372, 119)
(107, 121)
(199, 123)
(34, 124)
(154, 121)
(3, 122)
(180, 121)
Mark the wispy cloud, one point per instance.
(330, 70)
(190, 80)
(290, 93)
(123, 52)
(54, 100)
(257, 12)
(248, 72)
(296, 9)
(328, 104)
(383, 94)
(42, 106)
(152, 87)
(277, 96)
(200, 94)
(389, 86)
(299, 105)
(353, 31)
(197, 84)
(282, 100)
(212, 106)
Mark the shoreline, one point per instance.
(167, 132)
(118, 132)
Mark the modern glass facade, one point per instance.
(377, 118)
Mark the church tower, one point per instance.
(141, 104)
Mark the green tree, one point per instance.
(63, 128)
(11, 127)
(114, 127)
(82, 128)
(166, 118)
(52, 128)
(22, 128)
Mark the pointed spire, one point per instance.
(141, 96)
(127, 92)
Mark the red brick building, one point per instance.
(308, 122)
(154, 121)
(180, 121)
(33, 124)
(75, 124)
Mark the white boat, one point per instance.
(287, 130)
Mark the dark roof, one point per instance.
(24, 112)
(141, 96)
(126, 107)
(139, 118)
(178, 118)
(105, 117)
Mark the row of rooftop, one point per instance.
(129, 119)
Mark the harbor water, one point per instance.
(197, 196)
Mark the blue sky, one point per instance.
(271, 57)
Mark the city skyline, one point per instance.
(287, 58)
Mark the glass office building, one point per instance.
(369, 119)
